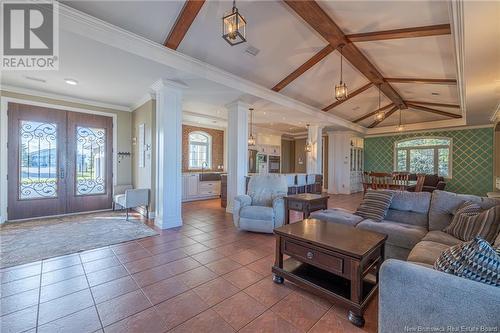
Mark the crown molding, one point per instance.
(151, 96)
(88, 26)
(64, 98)
(456, 10)
(496, 114)
(458, 128)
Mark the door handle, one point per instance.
(61, 173)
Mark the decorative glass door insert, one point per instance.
(90, 161)
(37, 160)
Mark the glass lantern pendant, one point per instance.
(341, 88)
(251, 139)
(380, 115)
(234, 27)
(308, 146)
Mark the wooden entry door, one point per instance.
(59, 162)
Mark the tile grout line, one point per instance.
(91, 293)
(39, 295)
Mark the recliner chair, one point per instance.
(263, 208)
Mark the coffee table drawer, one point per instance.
(315, 257)
(295, 205)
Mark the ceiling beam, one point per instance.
(304, 67)
(439, 112)
(183, 22)
(430, 30)
(368, 115)
(456, 106)
(349, 96)
(387, 115)
(425, 81)
(319, 20)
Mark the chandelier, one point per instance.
(341, 88)
(251, 138)
(380, 115)
(308, 147)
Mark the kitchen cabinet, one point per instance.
(194, 189)
(346, 158)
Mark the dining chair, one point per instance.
(400, 180)
(380, 180)
(420, 182)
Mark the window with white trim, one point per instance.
(429, 155)
(200, 150)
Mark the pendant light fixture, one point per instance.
(341, 88)
(401, 127)
(251, 138)
(380, 115)
(308, 146)
(234, 27)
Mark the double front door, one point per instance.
(59, 161)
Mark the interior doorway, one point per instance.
(58, 161)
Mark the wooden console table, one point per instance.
(305, 203)
(335, 261)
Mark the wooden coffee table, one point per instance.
(305, 203)
(331, 260)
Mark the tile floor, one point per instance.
(203, 277)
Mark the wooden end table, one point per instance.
(331, 260)
(305, 203)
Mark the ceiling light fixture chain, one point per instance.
(251, 138)
(380, 115)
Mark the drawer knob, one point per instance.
(309, 255)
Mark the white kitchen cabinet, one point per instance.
(346, 157)
(194, 189)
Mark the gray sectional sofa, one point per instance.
(412, 294)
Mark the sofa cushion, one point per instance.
(410, 208)
(337, 215)
(257, 213)
(426, 252)
(475, 260)
(399, 234)
(469, 222)
(444, 205)
(441, 237)
(375, 205)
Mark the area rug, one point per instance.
(29, 241)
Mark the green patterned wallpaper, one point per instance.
(472, 163)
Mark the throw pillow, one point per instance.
(470, 222)
(375, 205)
(475, 260)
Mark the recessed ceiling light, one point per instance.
(72, 82)
(264, 113)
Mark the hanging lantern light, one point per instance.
(308, 147)
(234, 27)
(400, 127)
(251, 138)
(380, 115)
(341, 88)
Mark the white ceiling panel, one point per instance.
(366, 16)
(284, 41)
(150, 19)
(316, 86)
(436, 93)
(426, 57)
(360, 105)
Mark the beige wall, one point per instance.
(144, 177)
(124, 167)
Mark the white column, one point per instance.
(168, 153)
(315, 157)
(237, 151)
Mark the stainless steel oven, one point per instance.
(274, 164)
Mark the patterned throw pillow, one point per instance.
(470, 222)
(375, 205)
(475, 260)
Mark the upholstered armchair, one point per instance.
(263, 208)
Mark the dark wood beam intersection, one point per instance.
(349, 96)
(183, 22)
(319, 20)
(371, 114)
(387, 115)
(439, 112)
(304, 67)
(431, 30)
(425, 81)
